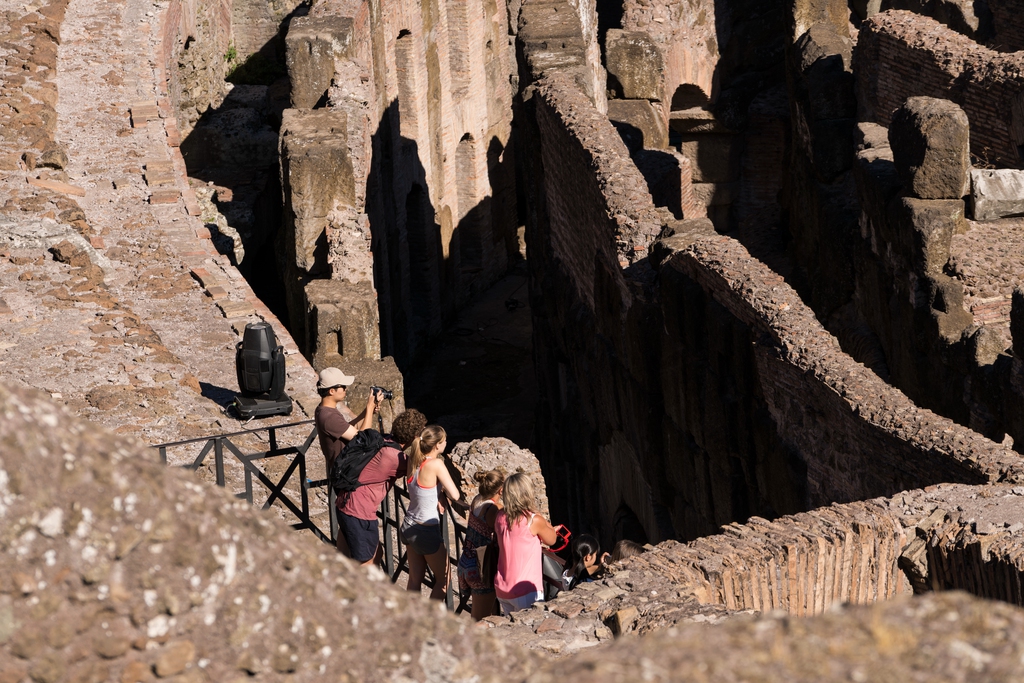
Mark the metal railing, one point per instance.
(391, 512)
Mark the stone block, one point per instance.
(635, 60)
(342, 322)
(997, 193)
(164, 197)
(236, 309)
(930, 140)
(53, 156)
(57, 186)
(316, 176)
(639, 123)
(825, 66)
(924, 231)
(312, 46)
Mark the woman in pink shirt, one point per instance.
(519, 582)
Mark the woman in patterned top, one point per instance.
(480, 534)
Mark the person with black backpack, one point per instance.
(362, 475)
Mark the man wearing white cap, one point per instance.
(334, 430)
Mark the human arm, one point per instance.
(444, 479)
(364, 420)
(542, 529)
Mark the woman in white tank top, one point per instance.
(421, 528)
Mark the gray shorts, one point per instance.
(424, 539)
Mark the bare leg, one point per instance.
(483, 605)
(440, 567)
(417, 568)
(342, 544)
(375, 560)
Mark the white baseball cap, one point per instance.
(333, 377)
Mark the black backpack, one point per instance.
(356, 455)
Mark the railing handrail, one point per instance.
(230, 434)
(393, 566)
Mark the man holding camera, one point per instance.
(333, 430)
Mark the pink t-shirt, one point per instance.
(377, 478)
(519, 560)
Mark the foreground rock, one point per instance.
(117, 567)
(120, 569)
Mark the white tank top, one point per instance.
(422, 503)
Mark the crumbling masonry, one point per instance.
(777, 316)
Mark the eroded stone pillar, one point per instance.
(312, 46)
(342, 324)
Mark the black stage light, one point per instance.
(259, 362)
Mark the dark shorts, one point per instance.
(361, 535)
(425, 539)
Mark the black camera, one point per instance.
(385, 394)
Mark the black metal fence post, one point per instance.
(391, 512)
(218, 458)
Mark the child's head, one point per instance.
(585, 549)
(517, 496)
(489, 482)
(625, 548)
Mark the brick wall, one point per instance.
(1008, 25)
(900, 54)
(704, 393)
(427, 95)
(946, 537)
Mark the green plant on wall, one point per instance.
(256, 69)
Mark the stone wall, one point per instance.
(1007, 25)
(901, 54)
(194, 46)
(686, 77)
(946, 537)
(678, 400)
(930, 284)
(422, 106)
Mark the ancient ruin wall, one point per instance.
(946, 537)
(1007, 24)
(695, 393)
(685, 36)
(901, 54)
(203, 41)
(420, 95)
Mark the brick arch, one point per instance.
(688, 96)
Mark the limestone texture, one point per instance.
(930, 141)
(997, 193)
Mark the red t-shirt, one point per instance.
(375, 481)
